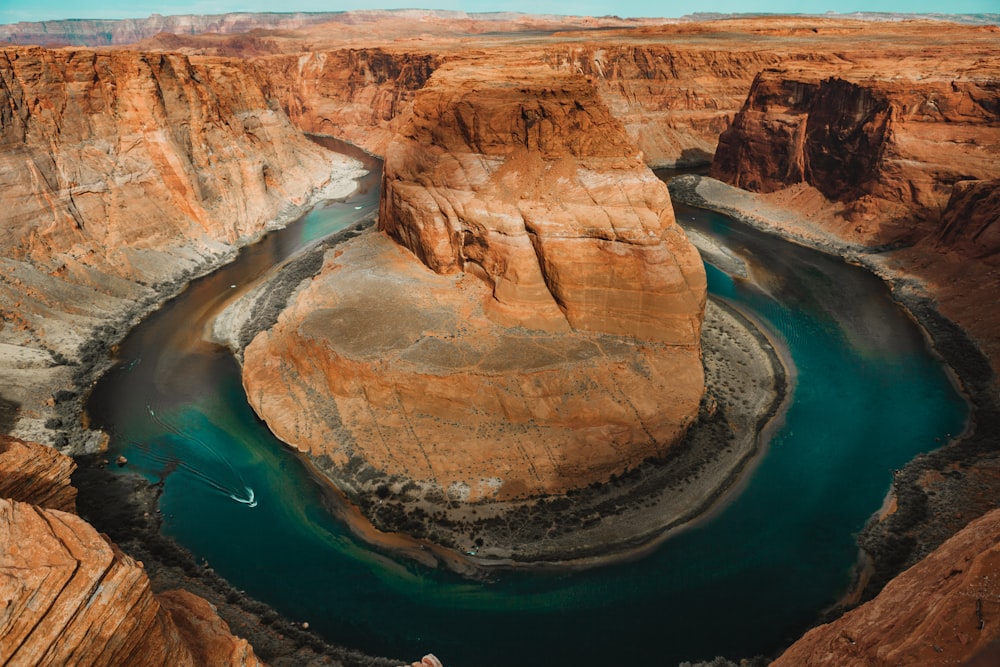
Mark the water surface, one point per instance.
(867, 397)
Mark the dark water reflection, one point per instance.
(868, 397)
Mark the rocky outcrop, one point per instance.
(888, 150)
(36, 474)
(360, 95)
(542, 335)
(124, 172)
(970, 223)
(943, 611)
(526, 180)
(70, 597)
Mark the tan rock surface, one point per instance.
(522, 176)
(70, 597)
(887, 147)
(382, 364)
(494, 376)
(122, 172)
(942, 611)
(36, 474)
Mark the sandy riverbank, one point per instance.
(936, 494)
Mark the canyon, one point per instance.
(147, 167)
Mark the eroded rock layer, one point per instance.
(70, 597)
(887, 148)
(524, 178)
(36, 474)
(943, 611)
(123, 172)
(542, 335)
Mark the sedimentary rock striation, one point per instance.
(527, 180)
(36, 474)
(943, 611)
(887, 148)
(70, 597)
(123, 172)
(542, 335)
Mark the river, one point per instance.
(867, 396)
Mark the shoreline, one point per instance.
(913, 519)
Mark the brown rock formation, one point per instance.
(494, 376)
(942, 611)
(70, 597)
(526, 179)
(121, 171)
(36, 474)
(970, 223)
(888, 149)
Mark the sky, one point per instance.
(12, 11)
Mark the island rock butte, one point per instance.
(543, 334)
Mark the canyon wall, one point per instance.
(123, 172)
(540, 333)
(358, 95)
(945, 610)
(71, 597)
(887, 149)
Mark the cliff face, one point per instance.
(943, 611)
(71, 597)
(123, 171)
(888, 150)
(36, 474)
(481, 365)
(359, 95)
(528, 181)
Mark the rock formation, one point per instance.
(123, 172)
(36, 474)
(526, 180)
(547, 338)
(887, 149)
(943, 611)
(70, 597)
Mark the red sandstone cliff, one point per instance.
(69, 596)
(943, 611)
(493, 376)
(122, 171)
(526, 179)
(887, 148)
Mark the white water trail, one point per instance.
(244, 495)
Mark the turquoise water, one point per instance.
(867, 397)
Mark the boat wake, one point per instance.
(240, 491)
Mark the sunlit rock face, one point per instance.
(941, 611)
(534, 327)
(887, 146)
(69, 596)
